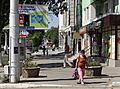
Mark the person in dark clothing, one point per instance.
(44, 50)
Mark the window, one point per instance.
(87, 13)
(106, 7)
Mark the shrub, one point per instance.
(5, 60)
(4, 78)
(93, 62)
(27, 63)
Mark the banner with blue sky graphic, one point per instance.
(33, 17)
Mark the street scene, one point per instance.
(60, 44)
(52, 75)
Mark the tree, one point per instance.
(36, 37)
(52, 35)
(4, 19)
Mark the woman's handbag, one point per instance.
(75, 74)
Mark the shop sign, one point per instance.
(118, 40)
(76, 35)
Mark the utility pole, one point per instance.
(13, 42)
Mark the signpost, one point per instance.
(13, 42)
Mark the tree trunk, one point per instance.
(0, 51)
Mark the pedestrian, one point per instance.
(53, 47)
(44, 50)
(66, 51)
(80, 65)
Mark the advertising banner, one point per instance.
(33, 17)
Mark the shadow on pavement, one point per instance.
(50, 65)
(49, 57)
(47, 80)
(102, 76)
(50, 80)
(94, 82)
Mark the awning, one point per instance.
(111, 20)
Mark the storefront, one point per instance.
(105, 38)
(95, 38)
(84, 41)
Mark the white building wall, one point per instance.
(92, 13)
(61, 25)
(72, 13)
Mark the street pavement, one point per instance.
(54, 76)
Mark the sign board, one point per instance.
(76, 35)
(33, 16)
(23, 34)
(15, 50)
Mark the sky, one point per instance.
(52, 20)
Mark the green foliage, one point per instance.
(36, 37)
(53, 35)
(4, 13)
(93, 62)
(28, 64)
(5, 60)
(4, 78)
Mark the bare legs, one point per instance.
(66, 61)
(81, 73)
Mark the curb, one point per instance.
(115, 84)
(30, 85)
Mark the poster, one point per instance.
(33, 17)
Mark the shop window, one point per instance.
(96, 45)
(106, 44)
(106, 9)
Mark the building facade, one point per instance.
(67, 21)
(101, 29)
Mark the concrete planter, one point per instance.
(93, 71)
(30, 72)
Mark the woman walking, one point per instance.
(80, 65)
(66, 50)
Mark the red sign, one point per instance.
(118, 40)
(23, 36)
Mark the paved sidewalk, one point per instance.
(54, 76)
(61, 78)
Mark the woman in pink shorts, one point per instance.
(80, 65)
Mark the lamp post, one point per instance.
(13, 42)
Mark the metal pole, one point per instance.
(6, 46)
(13, 42)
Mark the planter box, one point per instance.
(30, 72)
(93, 71)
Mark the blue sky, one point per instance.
(53, 20)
